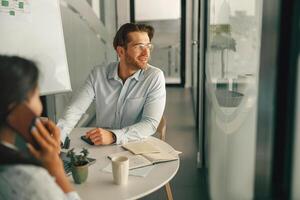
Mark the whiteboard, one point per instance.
(33, 29)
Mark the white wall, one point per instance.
(148, 10)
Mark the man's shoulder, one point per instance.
(153, 75)
(105, 67)
(103, 70)
(152, 70)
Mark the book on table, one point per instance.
(145, 153)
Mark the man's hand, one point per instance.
(100, 136)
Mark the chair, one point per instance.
(161, 133)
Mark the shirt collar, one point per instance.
(137, 75)
(113, 73)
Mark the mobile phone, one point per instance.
(21, 119)
(87, 140)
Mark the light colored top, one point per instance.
(22, 182)
(29, 182)
(100, 185)
(131, 110)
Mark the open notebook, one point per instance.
(146, 153)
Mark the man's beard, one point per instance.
(130, 61)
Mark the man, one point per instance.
(130, 94)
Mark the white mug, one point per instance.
(120, 169)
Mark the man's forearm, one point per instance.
(140, 130)
(77, 107)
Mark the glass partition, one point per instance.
(195, 53)
(232, 67)
(296, 165)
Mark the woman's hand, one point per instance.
(48, 139)
(53, 130)
(47, 136)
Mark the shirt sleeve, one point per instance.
(77, 107)
(72, 196)
(152, 113)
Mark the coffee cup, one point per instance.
(120, 169)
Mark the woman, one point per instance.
(23, 176)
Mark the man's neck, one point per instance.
(125, 71)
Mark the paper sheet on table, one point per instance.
(142, 172)
(141, 147)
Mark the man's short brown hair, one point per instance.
(121, 37)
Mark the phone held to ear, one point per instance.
(87, 140)
(22, 119)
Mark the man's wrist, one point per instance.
(114, 138)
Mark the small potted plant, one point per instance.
(79, 164)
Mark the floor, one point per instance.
(189, 182)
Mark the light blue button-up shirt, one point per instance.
(131, 110)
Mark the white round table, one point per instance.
(99, 184)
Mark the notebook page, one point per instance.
(141, 147)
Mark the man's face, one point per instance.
(137, 53)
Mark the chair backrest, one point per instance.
(162, 128)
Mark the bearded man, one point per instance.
(130, 94)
